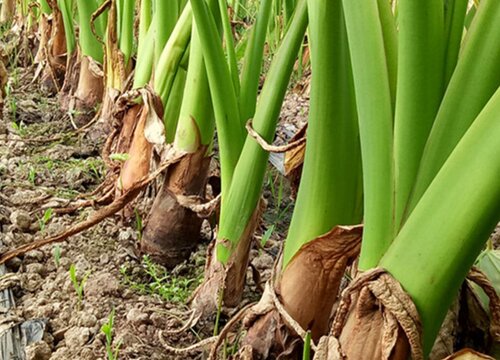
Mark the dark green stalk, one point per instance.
(243, 196)
(329, 188)
(373, 97)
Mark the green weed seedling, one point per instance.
(78, 285)
(44, 220)
(107, 329)
(138, 224)
(57, 255)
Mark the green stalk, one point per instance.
(243, 196)
(454, 28)
(166, 14)
(252, 65)
(289, 6)
(329, 187)
(144, 66)
(229, 43)
(389, 31)
(448, 228)
(471, 86)
(229, 129)
(172, 55)
(145, 17)
(89, 45)
(196, 124)
(126, 33)
(366, 44)
(69, 30)
(419, 90)
(470, 16)
(174, 103)
(46, 9)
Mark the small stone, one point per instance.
(36, 268)
(137, 317)
(77, 337)
(35, 256)
(104, 259)
(101, 284)
(38, 351)
(21, 220)
(87, 320)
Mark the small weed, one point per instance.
(159, 281)
(32, 175)
(138, 224)
(78, 285)
(119, 157)
(107, 329)
(57, 255)
(267, 235)
(43, 221)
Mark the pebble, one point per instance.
(76, 337)
(87, 320)
(38, 351)
(36, 268)
(137, 317)
(21, 220)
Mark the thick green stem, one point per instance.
(373, 97)
(330, 181)
(448, 228)
(419, 90)
(241, 201)
(46, 9)
(470, 87)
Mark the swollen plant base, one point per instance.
(305, 294)
(173, 230)
(55, 68)
(229, 278)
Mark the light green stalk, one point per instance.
(145, 17)
(174, 103)
(389, 31)
(166, 14)
(196, 123)
(252, 64)
(126, 33)
(419, 90)
(243, 196)
(172, 55)
(330, 181)
(89, 45)
(448, 228)
(366, 43)
(454, 28)
(46, 9)
(229, 129)
(145, 57)
(66, 6)
(468, 91)
(229, 43)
